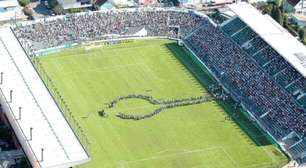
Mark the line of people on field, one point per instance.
(164, 104)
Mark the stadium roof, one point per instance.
(275, 35)
(39, 112)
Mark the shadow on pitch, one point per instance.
(251, 131)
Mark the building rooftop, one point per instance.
(53, 142)
(9, 9)
(293, 2)
(8, 3)
(301, 16)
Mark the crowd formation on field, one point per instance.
(164, 104)
(107, 25)
(247, 81)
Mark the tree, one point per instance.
(52, 3)
(277, 13)
(273, 11)
(279, 16)
(24, 3)
(301, 32)
(279, 3)
(286, 21)
(267, 9)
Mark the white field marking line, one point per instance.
(259, 165)
(173, 155)
(263, 148)
(242, 139)
(267, 153)
(231, 159)
(217, 161)
(173, 150)
(125, 164)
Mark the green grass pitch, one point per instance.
(196, 136)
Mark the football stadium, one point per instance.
(155, 87)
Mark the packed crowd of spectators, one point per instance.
(247, 81)
(270, 61)
(95, 26)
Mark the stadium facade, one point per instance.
(257, 61)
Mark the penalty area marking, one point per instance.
(125, 164)
(172, 150)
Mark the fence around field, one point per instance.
(61, 102)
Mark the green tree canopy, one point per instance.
(302, 33)
(24, 3)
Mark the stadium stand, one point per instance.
(258, 78)
(254, 45)
(272, 63)
(256, 75)
(105, 25)
(252, 84)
